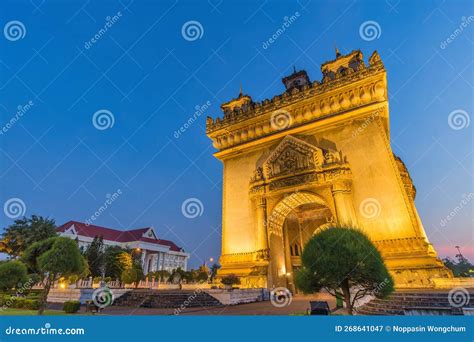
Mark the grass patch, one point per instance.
(26, 312)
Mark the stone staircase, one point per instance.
(415, 303)
(146, 298)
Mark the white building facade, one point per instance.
(156, 254)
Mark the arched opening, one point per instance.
(292, 222)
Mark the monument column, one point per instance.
(262, 239)
(342, 192)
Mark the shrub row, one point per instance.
(71, 306)
(19, 302)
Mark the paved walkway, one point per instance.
(298, 306)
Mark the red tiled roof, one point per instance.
(116, 235)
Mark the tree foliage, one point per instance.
(53, 258)
(341, 259)
(133, 275)
(33, 252)
(162, 275)
(116, 260)
(95, 256)
(13, 274)
(24, 232)
(214, 269)
(62, 259)
(461, 267)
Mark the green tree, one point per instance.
(177, 275)
(460, 267)
(116, 260)
(162, 275)
(125, 260)
(24, 232)
(13, 274)
(31, 255)
(133, 275)
(214, 269)
(202, 276)
(339, 259)
(62, 259)
(96, 257)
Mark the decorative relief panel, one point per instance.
(295, 162)
(337, 92)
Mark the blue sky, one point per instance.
(151, 79)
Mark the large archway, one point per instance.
(292, 222)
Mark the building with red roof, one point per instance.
(157, 254)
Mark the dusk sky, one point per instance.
(150, 74)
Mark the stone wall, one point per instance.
(59, 295)
(239, 296)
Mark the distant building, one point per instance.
(157, 254)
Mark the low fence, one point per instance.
(59, 295)
(116, 284)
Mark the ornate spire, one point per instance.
(241, 93)
(338, 53)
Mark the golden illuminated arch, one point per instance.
(286, 205)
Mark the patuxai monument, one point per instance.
(315, 155)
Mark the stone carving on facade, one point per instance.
(342, 72)
(406, 178)
(260, 255)
(375, 58)
(294, 162)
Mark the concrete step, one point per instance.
(166, 299)
(402, 303)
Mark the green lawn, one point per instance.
(25, 312)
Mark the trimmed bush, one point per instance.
(230, 279)
(13, 274)
(71, 306)
(19, 302)
(32, 304)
